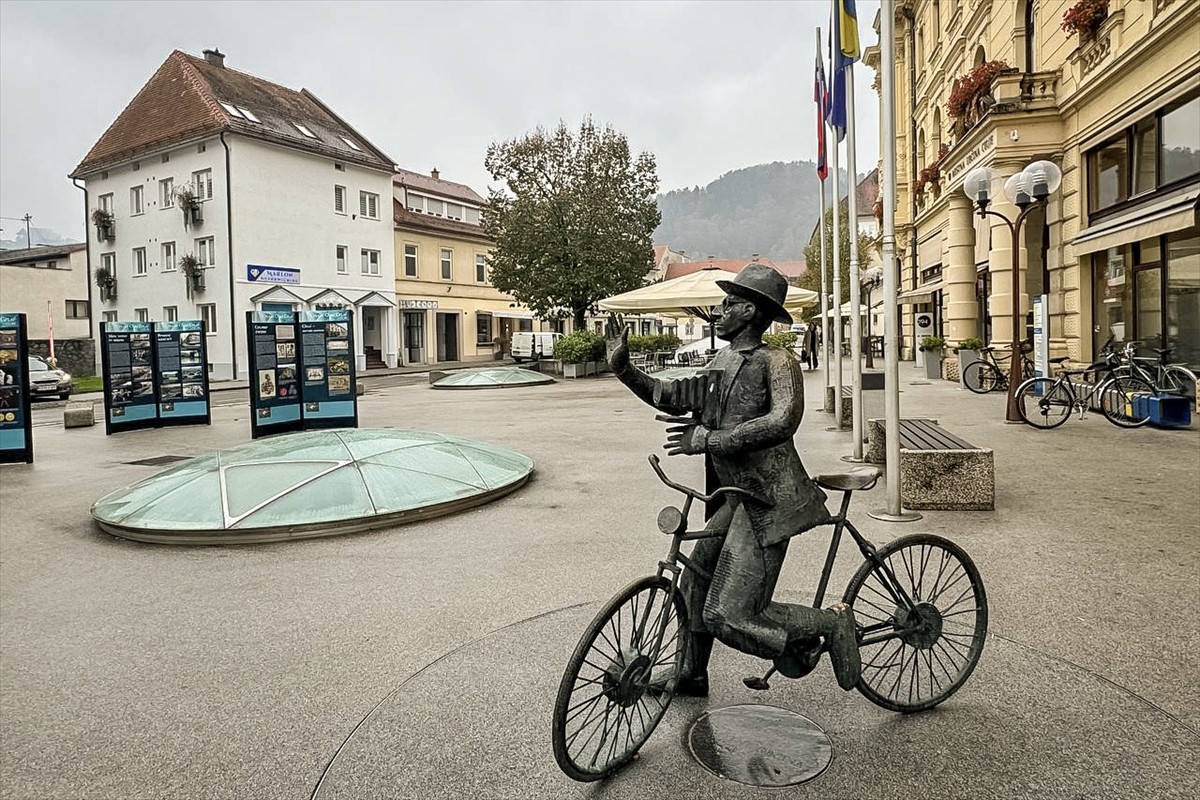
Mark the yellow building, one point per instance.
(1114, 102)
(449, 311)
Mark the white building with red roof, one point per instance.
(293, 211)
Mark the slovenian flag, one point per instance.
(821, 98)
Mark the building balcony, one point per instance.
(1010, 92)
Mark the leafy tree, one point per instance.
(811, 279)
(575, 223)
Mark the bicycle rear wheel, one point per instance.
(1044, 403)
(1180, 381)
(1123, 401)
(981, 377)
(620, 679)
(922, 622)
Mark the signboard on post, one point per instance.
(127, 359)
(181, 369)
(329, 392)
(16, 425)
(274, 372)
(1041, 336)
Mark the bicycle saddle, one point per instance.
(860, 478)
(1059, 359)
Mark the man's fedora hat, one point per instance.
(764, 286)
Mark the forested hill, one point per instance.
(769, 209)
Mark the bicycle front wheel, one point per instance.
(981, 377)
(1180, 381)
(620, 679)
(922, 622)
(1044, 403)
(1123, 401)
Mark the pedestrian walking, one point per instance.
(812, 340)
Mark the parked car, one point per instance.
(532, 345)
(46, 380)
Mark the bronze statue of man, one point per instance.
(744, 417)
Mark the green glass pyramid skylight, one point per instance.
(492, 378)
(316, 483)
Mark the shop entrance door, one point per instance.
(414, 337)
(446, 328)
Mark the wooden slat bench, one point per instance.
(938, 470)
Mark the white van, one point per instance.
(532, 345)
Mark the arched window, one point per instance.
(937, 16)
(936, 133)
(920, 48)
(980, 56)
(1030, 35)
(921, 149)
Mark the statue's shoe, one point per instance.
(842, 642)
(799, 657)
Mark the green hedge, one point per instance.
(579, 347)
(786, 339)
(652, 343)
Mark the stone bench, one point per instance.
(847, 403)
(938, 470)
(79, 414)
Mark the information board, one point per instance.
(329, 393)
(274, 372)
(181, 370)
(16, 425)
(1041, 336)
(127, 358)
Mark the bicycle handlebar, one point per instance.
(704, 498)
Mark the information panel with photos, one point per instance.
(327, 364)
(127, 356)
(16, 425)
(274, 376)
(181, 366)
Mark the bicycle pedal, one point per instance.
(757, 683)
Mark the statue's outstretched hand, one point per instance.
(616, 344)
(687, 440)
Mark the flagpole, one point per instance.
(891, 338)
(837, 288)
(856, 420)
(821, 101)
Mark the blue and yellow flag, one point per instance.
(845, 18)
(843, 52)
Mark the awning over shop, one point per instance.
(512, 314)
(921, 294)
(1166, 215)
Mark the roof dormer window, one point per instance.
(232, 109)
(351, 144)
(248, 114)
(304, 130)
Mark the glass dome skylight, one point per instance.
(316, 483)
(492, 378)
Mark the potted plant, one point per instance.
(106, 281)
(185, 198)
(933, 348)
(1085, 18)
(966, 93)
(106, 226)
(968, 353)
(193, 273)
(579, 353)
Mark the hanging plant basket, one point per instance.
(106, 226)
(106, 282)
(193, 273)
(1085, 18)
(970, 88)
(193, 209)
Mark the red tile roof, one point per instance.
(791, 269)
(437, 186)
(729, 265)
(182, 102)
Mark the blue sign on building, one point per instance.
(257, 273)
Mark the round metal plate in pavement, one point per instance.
(760, 745)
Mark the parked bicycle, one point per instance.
(922, 620)
(1047, 402)
(985, 375)
(1164, 376)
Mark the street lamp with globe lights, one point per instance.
(1027, 190)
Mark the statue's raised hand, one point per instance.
(616, 344)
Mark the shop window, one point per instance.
(1148, 299)
(1183, 297)
(483, 328)
(1111, 297)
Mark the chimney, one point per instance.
(434, 173)
(754, 256)
(215, 57)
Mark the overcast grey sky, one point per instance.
(706, 86)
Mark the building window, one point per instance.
(200, 148)
(108, 261)
(447, 265)
(1179, 148)
(339, 199)
(368, 205)
(168, 256)
(480, 269)
(142, 314)
(342, 252)
(433, 207)
(166, 157)
(136, 206)
(166, 193)
(77, 309)
(208, 314)
(202, 182)
(483, 328)
(105, 202)
(206, 252)
(170, 313)
(51, 265)
(410, 260)
(304, 130)
(1108, 174)
(139, 261)
(110, 316)
(454, 211)
(472, 216)
(415, 202)
(350, 143)
(370, 262)
(1183, 297)
(1145, 155)
(339, 167)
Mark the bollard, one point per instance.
(79, 414)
